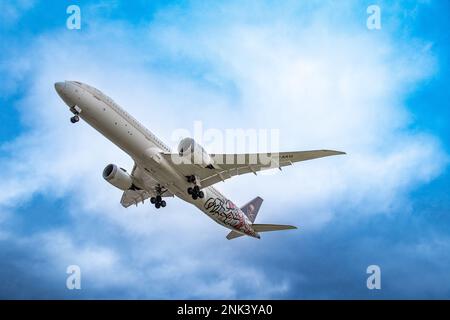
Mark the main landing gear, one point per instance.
(195, 191)
(158, 202)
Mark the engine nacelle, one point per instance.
(118, 177)
(194, 153)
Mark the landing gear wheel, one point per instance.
(75, 119)
(163, 204)
(158, 199)
(201, 195)
(152, 200)
(196, 189)
(190, 190)
(195, 196)
(158, 205)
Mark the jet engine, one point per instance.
(118, 177)
(195, 153)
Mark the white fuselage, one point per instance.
(103, 114)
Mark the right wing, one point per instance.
(229, 165)
(149, 188)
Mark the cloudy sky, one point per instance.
(310, 69)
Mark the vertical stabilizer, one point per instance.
(251, 209)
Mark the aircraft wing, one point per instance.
(148, 184)
(229, 165)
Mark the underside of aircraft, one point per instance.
(188, 174)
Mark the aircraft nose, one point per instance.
(64, 92)
(59, 87)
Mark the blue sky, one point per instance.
(382, 96)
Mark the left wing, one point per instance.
(229, 165)
(149, 188)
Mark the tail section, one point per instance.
(251, 209)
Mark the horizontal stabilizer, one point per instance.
(233, 235)
(261, 228)
(271, 227)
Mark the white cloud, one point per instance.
(97, 263)
(12, 11)
(323, 86)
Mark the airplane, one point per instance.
(158, 173)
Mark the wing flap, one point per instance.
(130, 197)
(270, 160)
(148, 185)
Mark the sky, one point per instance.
(310, 69)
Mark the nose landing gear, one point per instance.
(75, 119)
(76, 111)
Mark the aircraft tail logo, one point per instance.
(251, 209)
